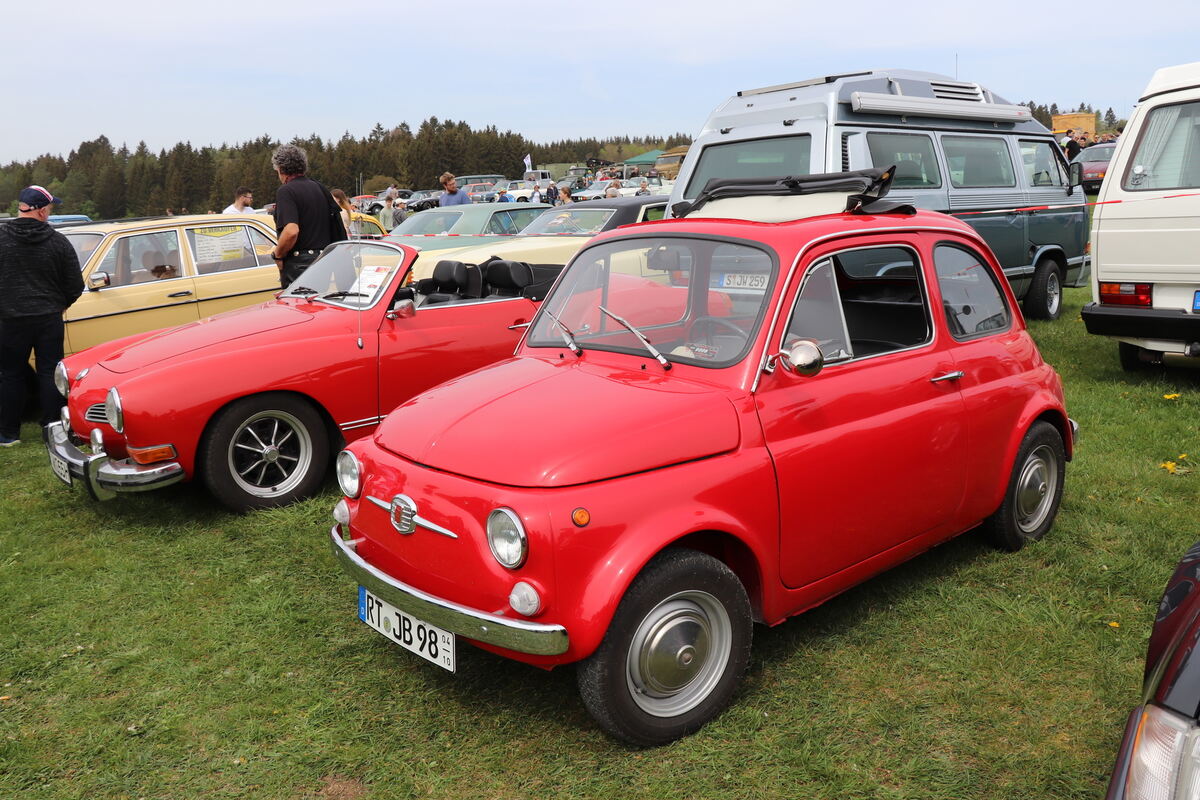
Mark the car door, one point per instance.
(868, 453)
(444, 341)
(150, 286)
(233, 265)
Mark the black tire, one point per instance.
(522, 199)
(1044, 298)
(697, 608)
(1034, 490)
(1131, 357)
(264, 451)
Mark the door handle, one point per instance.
(517, 326)
(184, 293)
(949, 376)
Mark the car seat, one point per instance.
(508, 278)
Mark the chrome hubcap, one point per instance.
(1036, 487)
(678, 654)
(270, 453)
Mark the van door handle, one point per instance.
(184, 293)
(949, 376)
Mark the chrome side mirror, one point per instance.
(98, 280)
(804, 357)
(402, 309)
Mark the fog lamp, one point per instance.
(525, 599)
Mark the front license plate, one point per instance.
(428, 641)
(59, 465)
(1196, 301)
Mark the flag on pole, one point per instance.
(528, 162)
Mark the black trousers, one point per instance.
(293, 267)
(43, 335)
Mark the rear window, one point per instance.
(1168, 150)
(752, 158)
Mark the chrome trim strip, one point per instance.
(360, 423)
(418, 519)
(512, 634)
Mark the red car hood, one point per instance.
(187, 339)
(529, 422)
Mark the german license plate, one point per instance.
(59, 465)
(428, 641)
(741, 280)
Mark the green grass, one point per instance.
(155, 647)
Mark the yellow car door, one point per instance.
(139, 283)
(233, 265)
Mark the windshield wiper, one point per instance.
(566, 333)
(340, 295)
(641, 337)
(302, 290)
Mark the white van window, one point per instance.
(752, 158)
(912, 154)
(1168, 150)
(976, 162)
(1041, 166)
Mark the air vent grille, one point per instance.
(951, 90)
(95, 413)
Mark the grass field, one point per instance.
(156, 647)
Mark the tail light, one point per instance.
(1125, 294)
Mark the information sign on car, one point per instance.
(428, 641)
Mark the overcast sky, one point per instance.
(216, 72)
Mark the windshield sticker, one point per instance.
(370, 279)
(706, 352)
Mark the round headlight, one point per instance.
(114, 415)
(506, 537)
(348, 473)
(60, 379)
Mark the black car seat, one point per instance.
(446, 285)
(508, 278)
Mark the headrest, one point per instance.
(152, 259)
(505, 274)
(450, 274)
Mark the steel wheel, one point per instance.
(678, 654)
(1037, 486)
(1034, 490)
(270, 453)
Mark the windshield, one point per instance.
(698, 301)
(84, 244)
(354, 274)
(600, 186)
(556, 220)
(752, 158)
(428, 222)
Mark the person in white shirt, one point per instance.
(241, 202)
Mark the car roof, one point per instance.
(121, 225)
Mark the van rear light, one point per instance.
(1125, 294)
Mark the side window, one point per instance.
(862, 303)
(1041, 165)
(524, 216)
(971, 298)
(143, 258)
(221, 248)
(916, 165)
(263, 248)
(501, 223)
(1168, 150)
(978, 162)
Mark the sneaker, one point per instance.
(7, 442)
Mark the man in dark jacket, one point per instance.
(306, 216)
(39, 280)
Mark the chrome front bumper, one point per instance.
(103, 476)
(511, 634)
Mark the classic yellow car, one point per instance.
(142, 275)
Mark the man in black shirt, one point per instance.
(39, 280)
(304, 215)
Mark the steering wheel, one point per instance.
(714, 322)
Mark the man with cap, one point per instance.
(39, 280)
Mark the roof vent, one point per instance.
(953, 90)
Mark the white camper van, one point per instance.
(1146, 247)
(957, 148)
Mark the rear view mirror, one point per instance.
(98, 280)
(663, 259)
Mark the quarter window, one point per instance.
(916, 165)
(1168, 150)
(143, 258)
(977, 162)
(1041, 164)
(971, 299)
(862, 303)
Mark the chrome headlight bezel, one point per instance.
(506, 538)
(349, 474)
(114, 413)
(61, 381)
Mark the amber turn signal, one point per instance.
(150, 455)
(581, 517)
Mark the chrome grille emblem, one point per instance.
(403, 512)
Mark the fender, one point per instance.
(1041, 405)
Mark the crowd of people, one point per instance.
(1074, 141)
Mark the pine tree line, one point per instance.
(1107, 122)
(107, 182)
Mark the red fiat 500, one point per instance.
(254, 402)
(647, 477)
